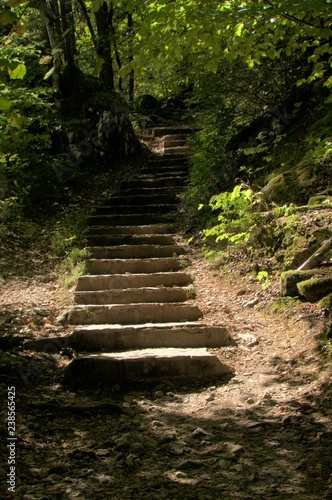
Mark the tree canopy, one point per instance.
(232, 61)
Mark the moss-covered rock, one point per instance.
(325, 302)
(290, 279)
(282, 189)
(315, 289)
(299, 251)
(293, 185)
(319, 200)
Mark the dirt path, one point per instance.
(264, 434)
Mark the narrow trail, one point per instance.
(264, 433)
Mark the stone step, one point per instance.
(174, 190)
(135, 251)
(134, 230)
(147, 295)
(106, 337)
(173, 143)
(135, 266)
(165, 170)
(131, 219)
(141, 199)
(178, 154)
(145, 366)
(120, 281)
(162, 131)
(128, 239)
(117, 338)
(178, 150)
(134, 209)
(174, 181)
(152, 175)
(176, 137)
(161, 162)
(124, 314)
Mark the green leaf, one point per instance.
(17, 70)
(4, 104)
(238, 29)
(49, 73)
(14, 120)
(4, 62)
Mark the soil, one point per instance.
(264, 433)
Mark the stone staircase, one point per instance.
(134, 317)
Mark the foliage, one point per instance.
(283, 304)
(68, 231)
(236, 219)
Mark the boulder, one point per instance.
(315, 289)
(290, 279)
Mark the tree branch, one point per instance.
(290, 17)
(88, 22)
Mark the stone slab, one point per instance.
(121, 281)
(134, 230)
(131, 219)
(107, 338)
(132, 295)
(124, 314)
(153, 183)
(128, 239)
(134, 209)
(136, 266)
(135, 251)
(147, 365)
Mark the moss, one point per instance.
(315, 289)
(319, 200)
(290, 279)
(283, 188)
(325, 302)
(299, 251)
(282, 305)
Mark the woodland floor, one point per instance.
(265, 433)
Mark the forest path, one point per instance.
(264, 434)
(134, 313)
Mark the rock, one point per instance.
(290, 279)
(325, 302)
(190, 464)
(180, 475)
(199, 432)
(147, 102)
(168, 437)
(248, 339)
(176, 449)
(234, 449)
(315, 289)
(251, 303)
(157, 423)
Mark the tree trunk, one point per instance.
(103, 19)
(130, 59)
(50, 22)
(68, 31)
